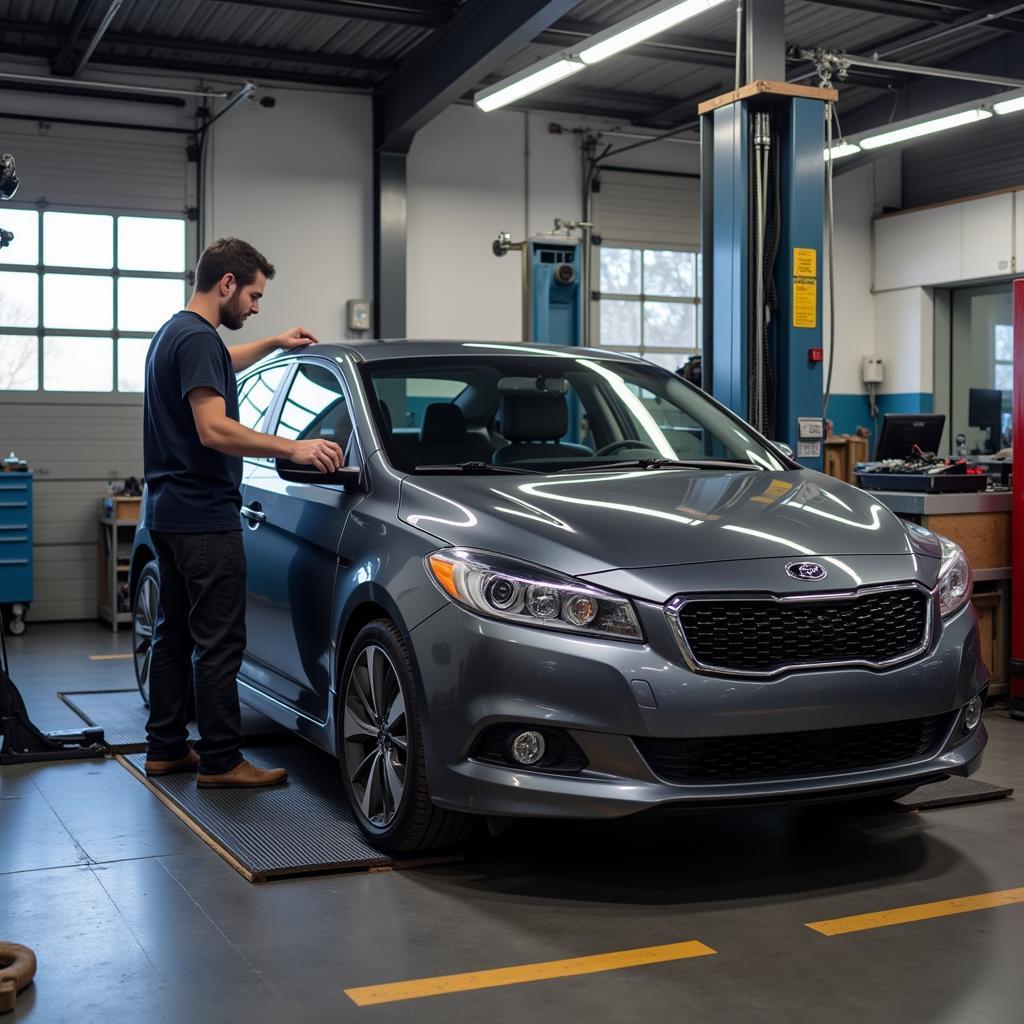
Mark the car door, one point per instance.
(292, 533)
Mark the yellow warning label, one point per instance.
(805, 303)
(805, 262)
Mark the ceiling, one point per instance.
(368, 45)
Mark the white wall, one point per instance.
(859, 196)
(467, 175)
(296, 181)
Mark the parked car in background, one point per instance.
(567, 583)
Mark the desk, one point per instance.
(980, 524)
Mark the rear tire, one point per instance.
(380, 749)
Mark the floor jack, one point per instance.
(22, 742)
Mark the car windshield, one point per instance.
(548, 412)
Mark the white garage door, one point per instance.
(78, 421)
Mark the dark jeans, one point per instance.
(200, 635)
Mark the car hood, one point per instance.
(583, 523)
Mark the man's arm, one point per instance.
(243, 356)
(218, 431)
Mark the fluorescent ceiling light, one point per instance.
(650, 22)
(1009, 106)
(841, 149)
(914, 131)
(509, 90)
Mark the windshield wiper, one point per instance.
(663, 464)
(471, 467)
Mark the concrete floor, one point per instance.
(134, 919)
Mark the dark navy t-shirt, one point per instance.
(191, 488)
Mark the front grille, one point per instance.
(762, 636)
(787, 754)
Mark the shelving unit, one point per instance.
(112, 568)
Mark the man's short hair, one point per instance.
(231, 256)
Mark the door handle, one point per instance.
(254, 514)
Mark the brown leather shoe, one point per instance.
(242, 776)
(188, 763)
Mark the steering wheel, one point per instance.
(620, 446)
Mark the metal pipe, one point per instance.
(101, 28)
(932, 72)
(739, 42)
(155, 90)
(912, 69)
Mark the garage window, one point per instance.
(649, 302)
(81, 295)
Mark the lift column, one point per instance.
(763, 202)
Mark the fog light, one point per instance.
(528, 747)
(972, 713)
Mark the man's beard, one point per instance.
(232, 316)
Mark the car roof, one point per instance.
(405, 348)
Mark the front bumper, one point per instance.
(476, 672)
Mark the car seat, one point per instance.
(533, 424)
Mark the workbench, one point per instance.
(980, 524)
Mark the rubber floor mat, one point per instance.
(298, 828)
(122, 716)
(951, 792)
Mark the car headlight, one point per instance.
(955, 578)
(504, 588)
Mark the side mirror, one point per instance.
(784, 448)
(347, 477)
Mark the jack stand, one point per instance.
(21, 742)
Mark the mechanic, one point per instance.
(193, 448)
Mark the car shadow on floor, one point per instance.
(702, 856)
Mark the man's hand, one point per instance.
(296, 337)
(325, 455)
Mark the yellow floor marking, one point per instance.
(108, 657)
(390, 993)
(918, 912)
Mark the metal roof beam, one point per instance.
(986, 17)
(232, 73)
(939, 14)
(481, 36)
(400, 12)
(224, 49)
(63, 63)
(109, 14)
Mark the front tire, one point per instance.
(380, 747)
(144, 614)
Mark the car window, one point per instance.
(407, 398)
(546, 411)
(255, 393)
(315, 407)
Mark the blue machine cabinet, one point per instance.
(15, 547)
(556, 293)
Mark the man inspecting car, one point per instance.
(193, 448)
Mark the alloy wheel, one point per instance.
(376, 736)
(147, 603)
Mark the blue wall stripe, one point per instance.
(847, 412)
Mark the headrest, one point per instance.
(534, 417)
(443, 423)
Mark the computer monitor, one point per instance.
(985, 410)
(985, 407)
(902, 430)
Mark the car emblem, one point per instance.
(809, 572)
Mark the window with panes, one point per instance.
(649, 302)
(81, 295)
